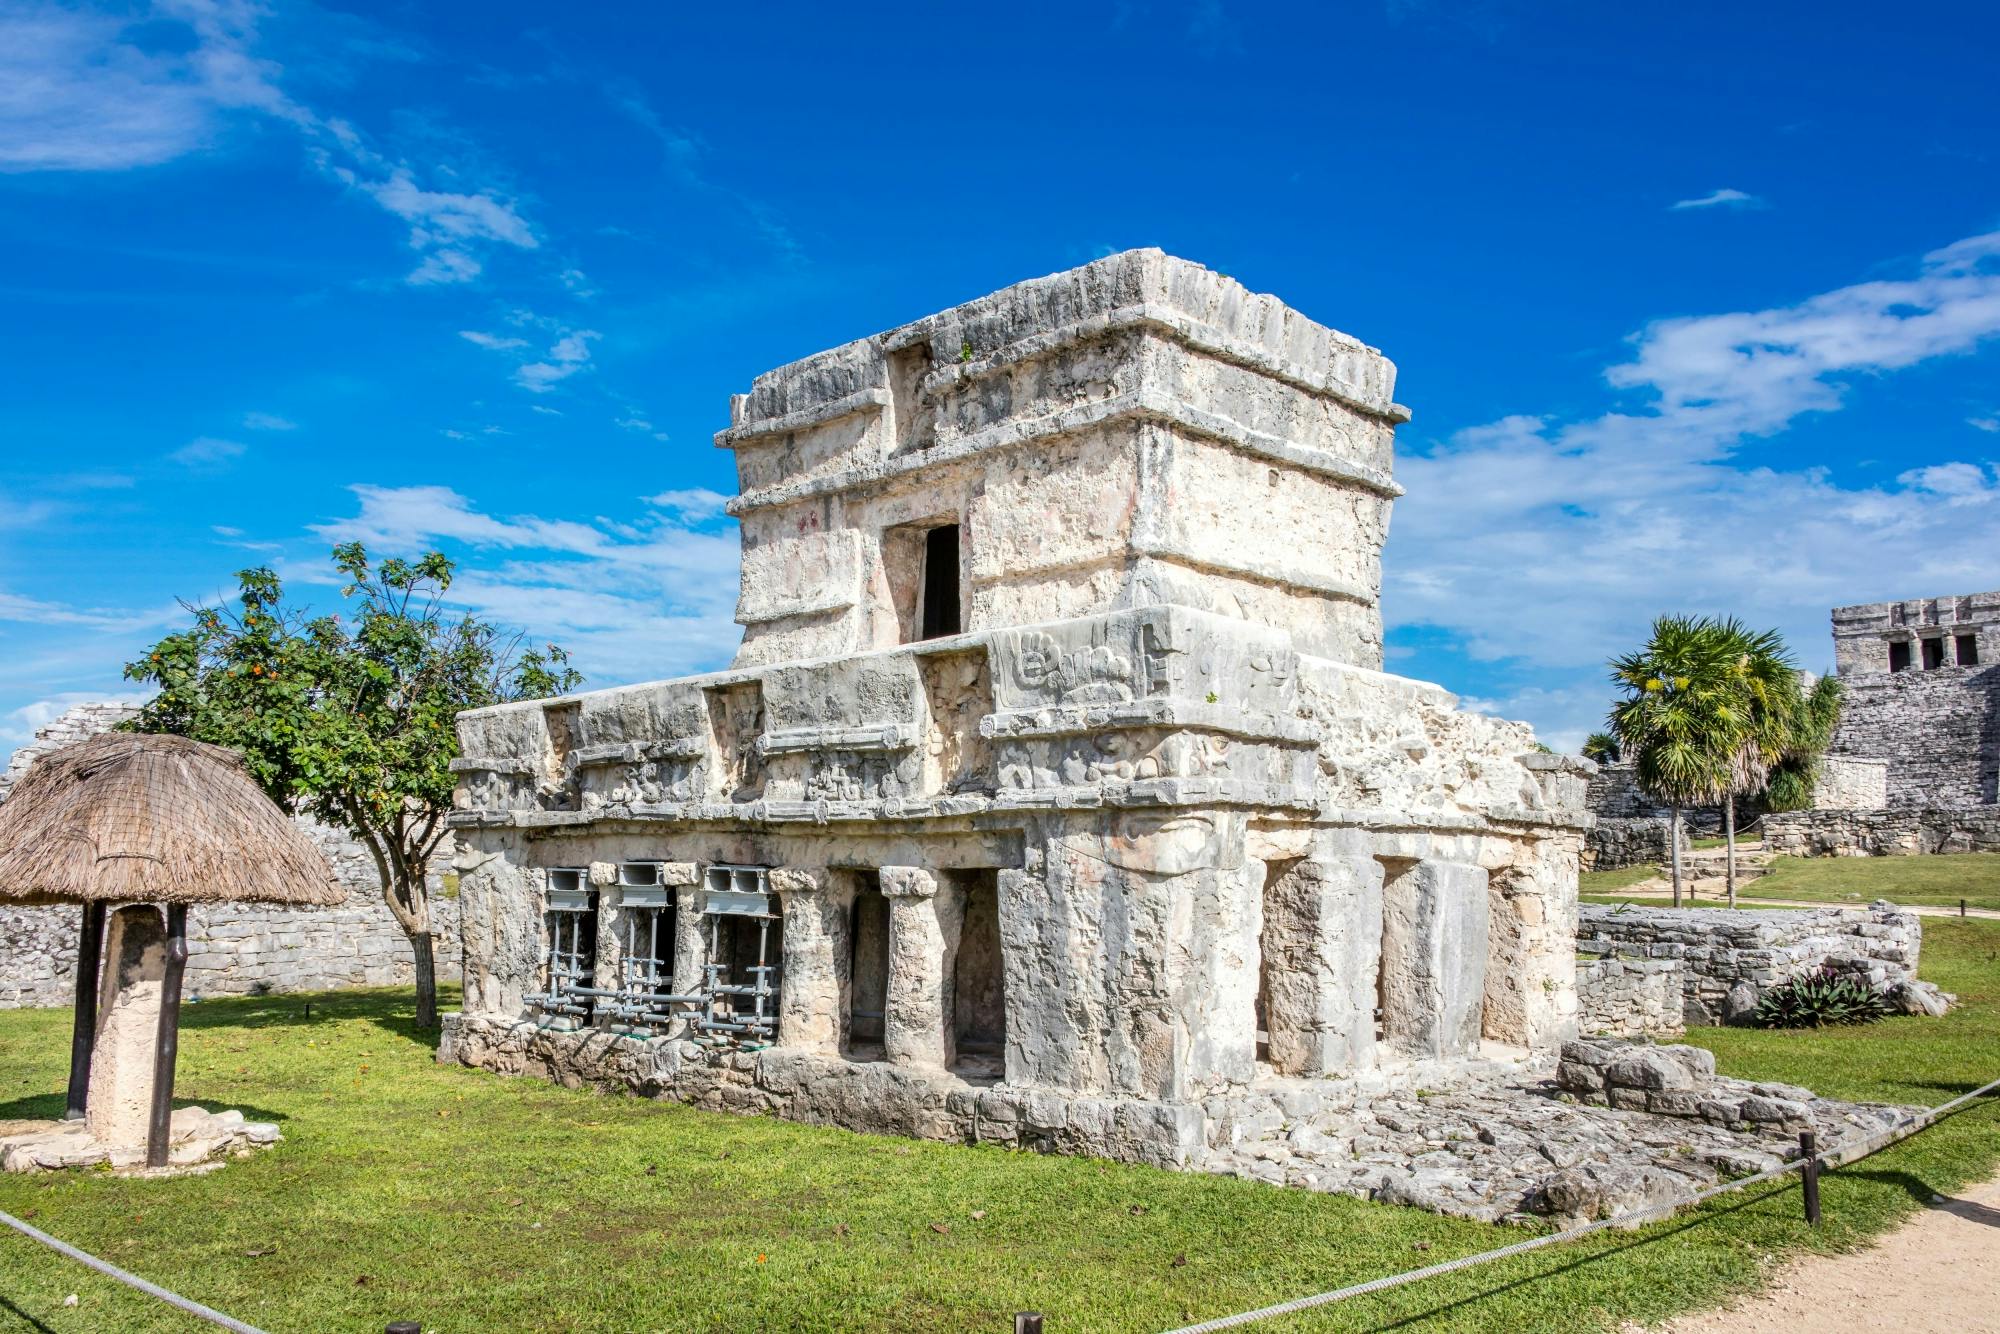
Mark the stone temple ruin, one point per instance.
(1915, 763)
(1056, 797)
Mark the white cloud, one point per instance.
(90, 92)
(1555, 543)
(267, 421)
(632, 421)
(491, 342)
(1990, 425)
(1719, 199)
(35, 611)
(692, 505)
(566, 356)
(206, 451)
(644, 598)
(545, 411)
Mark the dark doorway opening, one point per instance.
(940, 609)
(979, 996)
(868, 971)
(1968, 650)
(1899, 655)
(1933, 654)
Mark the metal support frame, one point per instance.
(159, 1133)
(83, 1032)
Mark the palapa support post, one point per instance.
(83, 1031)
(1809, 1174)
(160, 1131)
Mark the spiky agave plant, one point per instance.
(1819, 999)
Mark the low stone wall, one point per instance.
(1897, 832)
(1729, 956)
(1629, 997)
(1618, 842)
(246, 949)
(234, 949)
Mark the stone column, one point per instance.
(607, 964)
(925, 917)
(812, 999)
(121, 1069)
(1531, 996)
(1434, 952)
(1322, 949)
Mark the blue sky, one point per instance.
(1696, 306)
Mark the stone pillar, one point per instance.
(607, 966)
(1531, 998)
(925, 917)
(690, 941)
(1322, 950)
(1434, 950)
(812, 998)
(121, 1070)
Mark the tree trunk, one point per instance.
(1729, 839)
(427, 983)
(1674, 846)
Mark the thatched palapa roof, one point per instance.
(125, 817)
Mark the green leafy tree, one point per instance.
(350, 720)
(1679, 717)
(1795, 776)
(1601, 747)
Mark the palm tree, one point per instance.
(1601, 747)
(1682, 717)
(1767, 701)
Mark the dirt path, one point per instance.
(1664, 891)
(1939, 1273)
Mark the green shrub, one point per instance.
(1819, 999)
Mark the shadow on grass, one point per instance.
(27, 1320)
(51, 1106)
(1712, 1214)
(393, 1011)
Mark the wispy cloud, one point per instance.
(632, 421)
(1719, 199)
(207, 451)
(1990, 425)
(1552, 543)
(90, 92)
(268, 421)
(682, 154)
(491, 342)
(568, 355)
(642, 597)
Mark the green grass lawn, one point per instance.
(1941, 880)
(477, 1203)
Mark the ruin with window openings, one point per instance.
(1056, 796)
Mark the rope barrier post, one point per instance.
(1961, 907)
(1809, 1174)
(403, 1327)
(1027, 1322)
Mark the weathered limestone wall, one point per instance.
(1939, 731)
(1900, 832)
(1623, 996)
(1849, 783)
(1613, 843)
(1729, 956)
(1137, 432)
(235, 949)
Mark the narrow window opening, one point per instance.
(979, 997)
(1899, 655)
(570, 967)
(1968, 650)
(868, 971)
(646, 946)
(1933, 654)
(744, 975)
(940, 596)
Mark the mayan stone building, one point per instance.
(1915, 764)
(1056, 795)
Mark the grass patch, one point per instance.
(1940, 880)
(472, 1202)
(1610, 882)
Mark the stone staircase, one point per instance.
(1705, 869)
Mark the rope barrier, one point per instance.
(1902, 1130)
(193, 1308)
